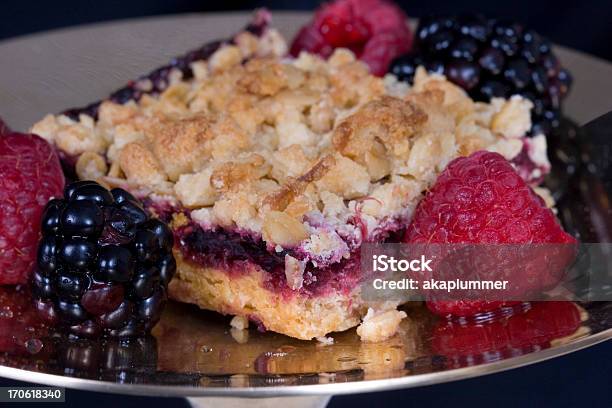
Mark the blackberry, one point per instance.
(103, 265)
(491, 58)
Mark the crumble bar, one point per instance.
(273, 171)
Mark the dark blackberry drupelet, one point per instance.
(491, 58)
(103, 264)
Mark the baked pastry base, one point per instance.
(302, 317)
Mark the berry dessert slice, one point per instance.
(30, 174)
(273, 171)
(491, 58)
(375, 30)
(103, 265)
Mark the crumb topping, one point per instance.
(378, 326)
(306, 153)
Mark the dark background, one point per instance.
(585, 25)
(581, 379)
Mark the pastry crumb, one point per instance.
(240, 323)
(377, 327)
(325, 341)
(546, 195)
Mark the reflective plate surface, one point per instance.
(194, 353)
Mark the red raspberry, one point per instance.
(20, 328)
(340, 26)
(30, 174)
(309, 38)
(383, 48)
(375, 30)
(481, 199)
(469, 344)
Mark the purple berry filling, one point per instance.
(526, 168)
(227, 249)
(237, 253)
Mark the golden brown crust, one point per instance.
(140, 165)
(294, 187)
(180, 145)
(244, 295)
(389, 121)
(231, 175)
